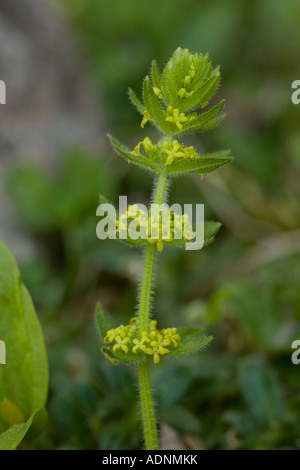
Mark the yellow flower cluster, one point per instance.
(155, 343)
(175, 116)
(170, 149)
(176, 150)
(183, 92)
(162, 225)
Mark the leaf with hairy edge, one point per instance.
(191, 344)
(154, 107)
(137, 159)
(212, 90)
(173, 76)
(136, 102)
(155, 75)
(202, 74)
(203, 164)
(213, 122)
(185, 332)
(196, 124)
(169, 79)
(200, 96)
(103, 321)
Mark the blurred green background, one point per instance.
(243, 391)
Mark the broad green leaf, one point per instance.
(137, 159)
(136, 102)
(10, 413)
(203, 164)
(154, 107)
(155, 75)
(12, 437)
(24, 378)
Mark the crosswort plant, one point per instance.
(176, 102)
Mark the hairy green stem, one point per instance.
(146, 397)
(146, 288)
(147, 408)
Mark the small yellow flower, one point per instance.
(153, 325)
(172, 335)
(157, 91)
(121, 343)
(139, 344)
(176, 150)
(145, 119)
(176, 117)
(187, 80)
(154, 343)
(113, 333)
(182, 93)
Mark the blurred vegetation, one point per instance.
(243, 392)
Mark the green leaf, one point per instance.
(201, 95)
(213, 122)
(104, 324)
(10, 413)
(139, 159)
(191, 343)
(136, 102)
(126, 358)
(210, 229)
(198, 123)
(173, 76)
(202, 74)
(24, 378)
(169, 80)
(154, 107)
(155, 75)
(216, 77)
(103, 321)
(203, 164)
(12, 437)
